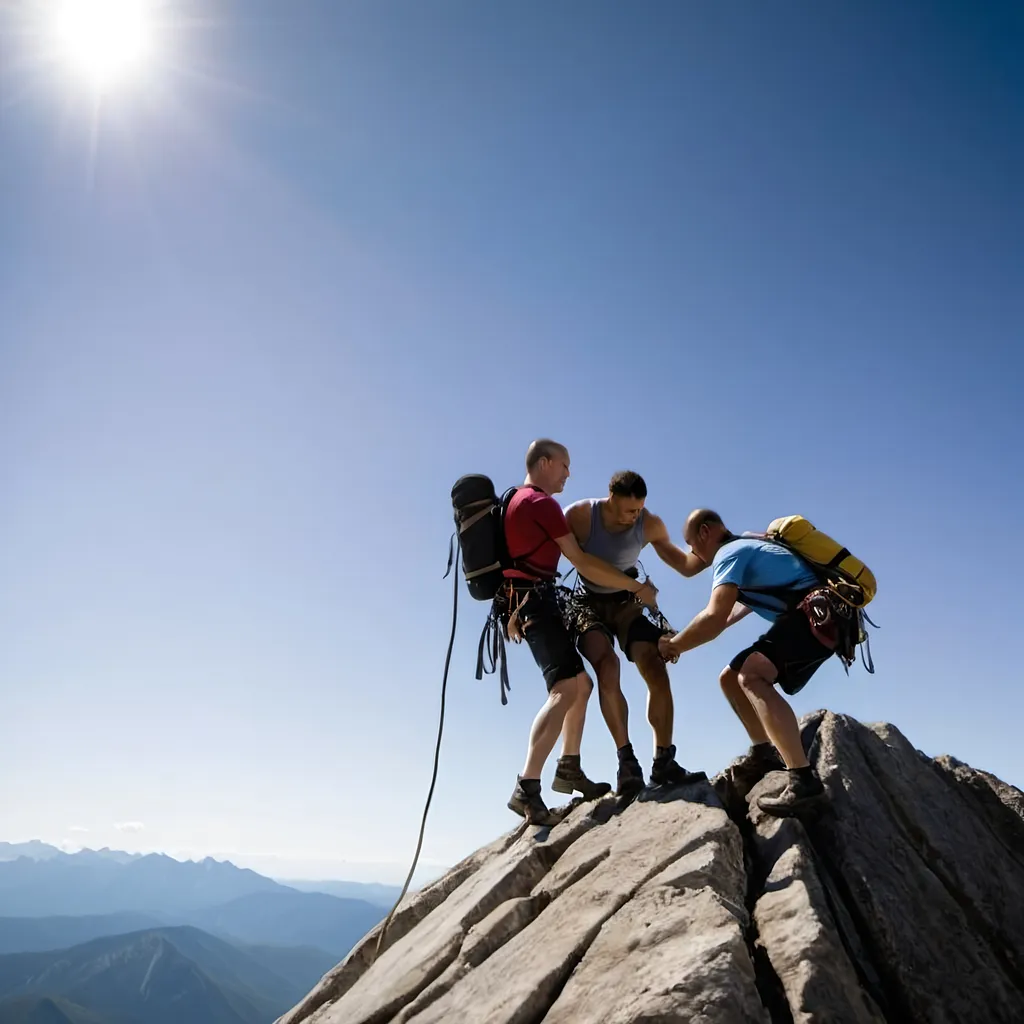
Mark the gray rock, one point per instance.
(903, 902)
(531, 972)
(999, 804)
(798, 932)
(935, 898)
(420, 957)
(413, 909)
(676, 951)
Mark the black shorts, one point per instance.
(545, 631)
(792, 648)
(619, 616)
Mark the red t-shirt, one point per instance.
(533, 522)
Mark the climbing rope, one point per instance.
(437, 753)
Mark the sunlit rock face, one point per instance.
(902, 902)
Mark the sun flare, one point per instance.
(105, 41)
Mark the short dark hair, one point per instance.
(543, 448)
(627, 484)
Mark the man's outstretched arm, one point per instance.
(598, 570)
(578, 518)
(686, 563)
(706, 625)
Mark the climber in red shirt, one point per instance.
(537, 535)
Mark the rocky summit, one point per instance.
(902, 902)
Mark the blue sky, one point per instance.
(261, 307)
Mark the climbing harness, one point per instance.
(573, 602)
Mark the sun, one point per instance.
(105, 41)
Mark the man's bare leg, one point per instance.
(740, 703)
(526, 799)
(569, 774)
(660, 709)
(548, 723)
(757, 680)
(575, 718)
(597, 649)
(804, 792)
(660, 713)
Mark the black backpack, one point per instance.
(480, 530)
(480, 521)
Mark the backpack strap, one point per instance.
(789, 596)
(492, 648)
(523, 565)
(522, 562)
(486, 504)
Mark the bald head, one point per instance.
(701, 517)
(543, 448)
(705, 532)
(547, 465)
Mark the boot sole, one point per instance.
(561, 786)
(516, 809)
(630, 790)
(803, 808)
(688, 781)
(553, 820)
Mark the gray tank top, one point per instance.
(618, 549)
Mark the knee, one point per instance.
(729, 680)
(566, 692)
(584, 686)
(751, 683)
(607, 669)
(756, 675)
(651, 667)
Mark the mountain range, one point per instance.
(106, 937)
(372, 892)
(160, 976)
(155, 889)
(34, 850)
(93, 883)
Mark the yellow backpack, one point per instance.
(847, 576)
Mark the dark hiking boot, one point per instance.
(666, 771)
(527, 802)
(630, 778)
(569, 778)
(762, 759)
(804, 795)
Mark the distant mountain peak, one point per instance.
(161, 976)
(34, 849)
(95, 882)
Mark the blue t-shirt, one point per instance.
(749, 562)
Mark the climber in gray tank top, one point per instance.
(620, 547)
(616, 529)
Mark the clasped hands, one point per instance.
(647, 595)
(668, 648)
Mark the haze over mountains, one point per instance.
(92, 883)
(107, 937)
(162, 976)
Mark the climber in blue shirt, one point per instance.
(753, 574)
